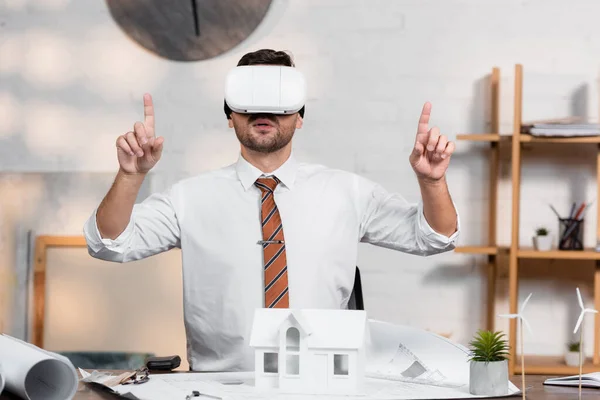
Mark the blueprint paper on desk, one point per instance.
(240, 386)
(413, 355)
(403, 363)
(431, 364)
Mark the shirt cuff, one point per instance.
(96, 242)
(431, 234)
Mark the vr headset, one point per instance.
(271, 89)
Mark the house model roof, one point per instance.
(325, 329)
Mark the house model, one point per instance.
(310, 351)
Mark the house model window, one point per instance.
(270, 363)
(292, 351)
(340, 364)
(310, 351)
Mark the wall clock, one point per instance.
(188, 30)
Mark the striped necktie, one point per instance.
(274, 259)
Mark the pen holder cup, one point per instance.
(570, 233)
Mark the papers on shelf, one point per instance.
(31, 372)
(563, 129)
(591, 380)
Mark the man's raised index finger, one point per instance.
(148, 115)
(424, 119)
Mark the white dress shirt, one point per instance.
(215, 219)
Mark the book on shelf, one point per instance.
(591, 380)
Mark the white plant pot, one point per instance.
(572, 358)
(488, 378)
(542, 243)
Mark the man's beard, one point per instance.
(277, 140)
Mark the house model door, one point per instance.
(321, 372)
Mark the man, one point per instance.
(267, 231)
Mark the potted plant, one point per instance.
(489, 364)
(572, 355)
(542, 241)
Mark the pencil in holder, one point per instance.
(570, 234)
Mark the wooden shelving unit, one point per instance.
(491, 250)
(534, 364)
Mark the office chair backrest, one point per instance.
(356, 297)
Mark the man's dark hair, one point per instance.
(265, 57)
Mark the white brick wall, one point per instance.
(70, 82)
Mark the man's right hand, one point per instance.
(139, 150)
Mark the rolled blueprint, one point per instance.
(36, 374)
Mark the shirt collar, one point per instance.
(248, 173)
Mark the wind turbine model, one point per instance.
(522, 321)
(578, 325)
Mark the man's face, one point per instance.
(265, 133)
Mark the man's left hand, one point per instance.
(431, 154)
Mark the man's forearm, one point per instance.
(115, 209)
(437, 206)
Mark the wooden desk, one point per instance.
(538, 392)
